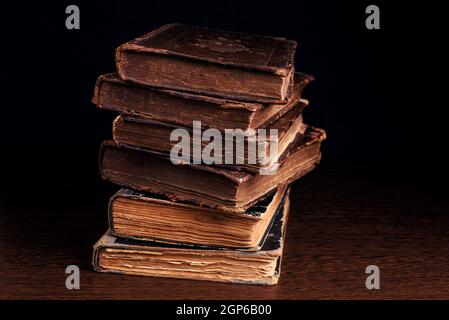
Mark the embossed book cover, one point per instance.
(212, 62)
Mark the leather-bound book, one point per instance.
(181, 108)
(223, 189)
(155, 137)
(212, 62)
(153, 217)
(124, 256)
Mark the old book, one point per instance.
(155, 136)
(181, 108)
(153, 217)
(124, 256)
(224, 189)
(211, 62)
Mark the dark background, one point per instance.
(376, 91)
(380, 95)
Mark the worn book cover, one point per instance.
(224, 189)
(155, 137)
(125, 256)
(153, 217)
(212, 62)
(182, 108)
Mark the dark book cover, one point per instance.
(212, 62)
(181, 108)
(225, 189)
(154, 136)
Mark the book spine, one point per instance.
(110, 210)
(162, 106)
(201, 78)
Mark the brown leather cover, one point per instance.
(224, 189)
(155, 137)
(182, 108)
(212, 62)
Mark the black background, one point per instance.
(379, 93)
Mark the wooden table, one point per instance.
(344, 217)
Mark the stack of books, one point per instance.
(208, 138)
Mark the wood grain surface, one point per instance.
(343, 218)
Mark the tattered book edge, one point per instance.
(150, 241)
(107, 240)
